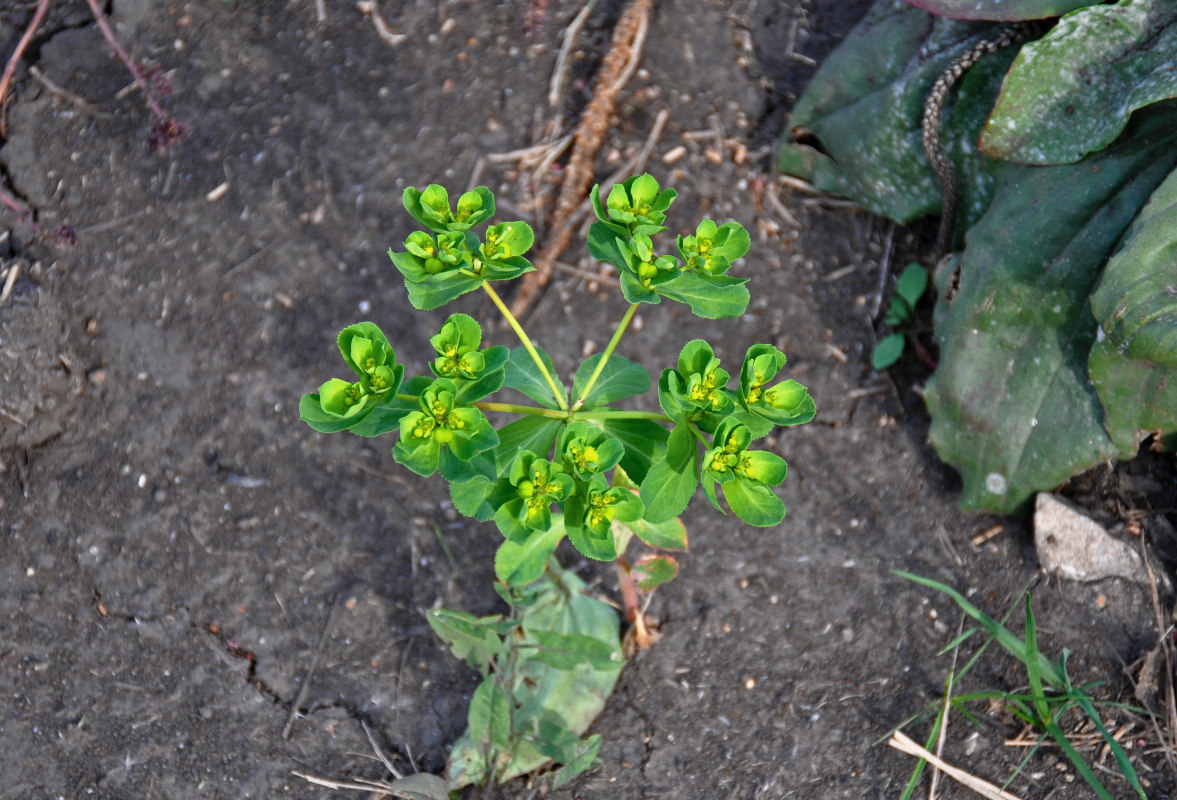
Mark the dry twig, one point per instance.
(905, 744)
(391, 37)
(306, 684)
(619, 63)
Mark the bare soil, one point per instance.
(175, 541)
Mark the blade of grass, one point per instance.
(1080, 763)
(1047, 672)
(1004, 637)
(1032, 653)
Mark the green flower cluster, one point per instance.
(636, 210)
(449, 260)
(442, 427)
(366, 350)
(713, 248)
(521, 501)
(696, 396)
(747, 476)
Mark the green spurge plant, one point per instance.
(1057, 323)
(574, 465)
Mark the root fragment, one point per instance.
(620, 62)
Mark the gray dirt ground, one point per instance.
(174, 540)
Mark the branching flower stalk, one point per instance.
(575, 466)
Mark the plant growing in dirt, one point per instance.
(574, 464)
(1051, 695)
(1053, 166)
(910, 287)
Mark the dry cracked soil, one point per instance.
(175, 543)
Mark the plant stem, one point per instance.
(511, 408)
(609, 413)
(527, 345)
(123, 56)
(552, 413)
(617, 334)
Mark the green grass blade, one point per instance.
(1032, 670)
(1126, 768)
(1004, 637)
(1081, 767)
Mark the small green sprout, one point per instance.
(908, 290)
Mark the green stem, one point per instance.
(511, 408)
(699, 434)
(617, 334)
(551, 413)
(527, 345)
(610, 413)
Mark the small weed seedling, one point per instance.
(1051, 694)
(573, 465)
(901, 314)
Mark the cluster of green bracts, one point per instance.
(574, 465)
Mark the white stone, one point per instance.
(1072, 545)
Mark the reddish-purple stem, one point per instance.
(10, 67)
(629, 594)
(136, 73)
(23, 211)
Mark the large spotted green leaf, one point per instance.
(855, 131)
(1013, 408)
(1134, 361)
(1008, 10)
(1072, 91)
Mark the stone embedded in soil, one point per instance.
(1072, 545)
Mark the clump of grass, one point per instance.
(1051, 694)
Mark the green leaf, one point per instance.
(419, 786)
(583, 758)
(709, 296)
(524, 376)
(755, 504)
(311, 412)
(589, 543)
(365, 340)
(1134, 302)
(1009, 10)
(489, 717)
(619, 379)
(437, 290)
(526, 433)
(473, 640)
(1012, 406)
(548, 703)
(470, 392)
(1133, 363)
(668, 535)
(1072, 91)
(566, 651)
(644, 440)
(432, 209)
(521, 563)
(421, 459)
(887, 351)
(1041, 707)
(912, 283)
(455, 469)
(602, 244)
(651, 571)
(864, 107)
(671, 481)
(469, 495)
